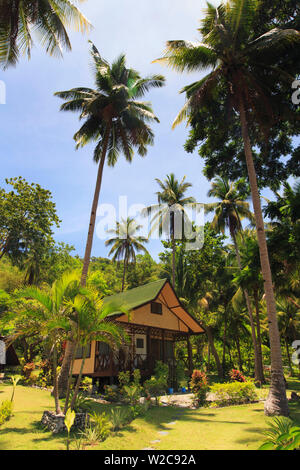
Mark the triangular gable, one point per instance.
(169, 297)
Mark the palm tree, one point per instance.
(230, 210)
(50, 319)
(168, 215)
(125, 243)
(90, 315)
(118, 121)
(48, 18)
(245, 71)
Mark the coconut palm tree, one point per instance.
(125, 243)
(47, 18)
(170, 212)
(116, 119)
(245, 70)
(229, 211)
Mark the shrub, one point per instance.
(101, 425)
(155, 387)
(119, 417)
(236, 376)
(124, 378)
(199, 386)
(161, 371)
(132, 394)
(234, 393)
(82, 403)
(6, 410)
(111, 393)
(28, 369)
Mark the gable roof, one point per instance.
(137, 296)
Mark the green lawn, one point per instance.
(235, 427)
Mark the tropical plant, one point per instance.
(119, 122)
(282, 434)
(125, 243)
(47, 18)
(89, 314)
(119, 417)
(15, 379)
(6, 411)
(230, 210)
(69, 421)
(170, 212)
(49, 317)
(199, 386)
(101, 425)
(245, 73)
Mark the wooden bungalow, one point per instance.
(157, 321)
(8, 356)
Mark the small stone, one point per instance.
(163, 433)
(148, 448)
(156, 441)
(172, 423)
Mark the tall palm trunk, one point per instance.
(89, 243)
(289, 356)
(76, 390)
(70, 347)
(70, 381)
(238, 347)
(124, 269)
(172, 216)
(213, 350)
(224, 343)
(276, 403)
(259, 349)
(55, 382)
(258, 371)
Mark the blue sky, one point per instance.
(37, 139)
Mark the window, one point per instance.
(103, 348)
(156, 308)
(140, 343)
(80, 349)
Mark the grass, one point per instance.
(234, 427)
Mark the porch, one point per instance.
(147, 346)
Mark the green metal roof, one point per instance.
(136, 297)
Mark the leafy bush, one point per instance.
(101, 425)
(281, 435)
(82, 403)
(124, 378)
(111, 393)
(155, 387)
(6, 410)
(119, 417)
(234, 393)
(132, 394)
(236, 376)
(199, 386)
(161, 371)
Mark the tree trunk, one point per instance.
(257, 371)
(276, 403)
(55, 383)
(237, 340)
(224, 343)
(124, 270)
(70, 381)
(76, 390)
(64, 372)
(289, 357)
(208, 358)
(89, 243)
(213, 350)
(259, 350)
